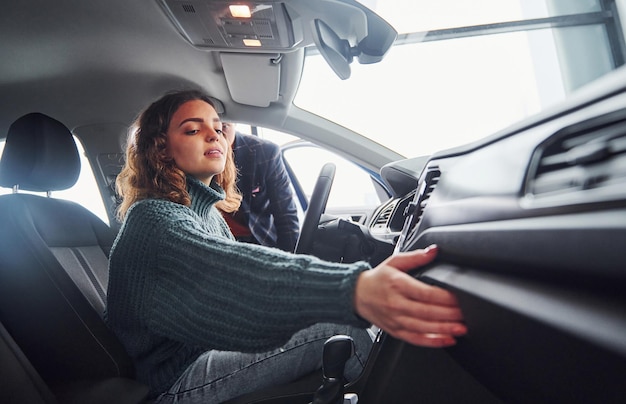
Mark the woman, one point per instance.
(194, 307)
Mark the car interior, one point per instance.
(530, 219)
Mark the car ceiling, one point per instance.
(89, 63)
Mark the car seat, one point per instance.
(54, 269)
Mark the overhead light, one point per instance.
(251, 42)
(240, 11)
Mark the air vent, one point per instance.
(415, 210)
(586, 161)
(383, 217)
(425, 191)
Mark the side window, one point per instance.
(354, 193)
(85, 192)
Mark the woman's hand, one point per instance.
(405, 307)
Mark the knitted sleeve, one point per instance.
(211, 291)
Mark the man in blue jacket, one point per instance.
(268, 214)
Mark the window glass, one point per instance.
(353, 188)
(448, 94)
(353, 192)
(431, 95)
(85, 192)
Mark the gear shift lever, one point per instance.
(337, 350)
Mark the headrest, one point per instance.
(39, 155)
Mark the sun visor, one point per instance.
(253, 79)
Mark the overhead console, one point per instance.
(262, 26)
(341, 29)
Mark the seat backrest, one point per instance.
(53, 260)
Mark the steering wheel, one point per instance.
(317, 205)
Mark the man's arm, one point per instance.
(282, 204)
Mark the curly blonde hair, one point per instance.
(149, 172)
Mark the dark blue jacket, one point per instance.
(268, 205)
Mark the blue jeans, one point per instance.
(217, 376)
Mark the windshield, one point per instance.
(460, 70)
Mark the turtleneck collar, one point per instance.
(203, 197)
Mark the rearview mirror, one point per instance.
(370, 48)
(336, 51)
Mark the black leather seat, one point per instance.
(54, 270)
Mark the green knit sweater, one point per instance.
(179, 285)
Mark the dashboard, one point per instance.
(531, 228)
